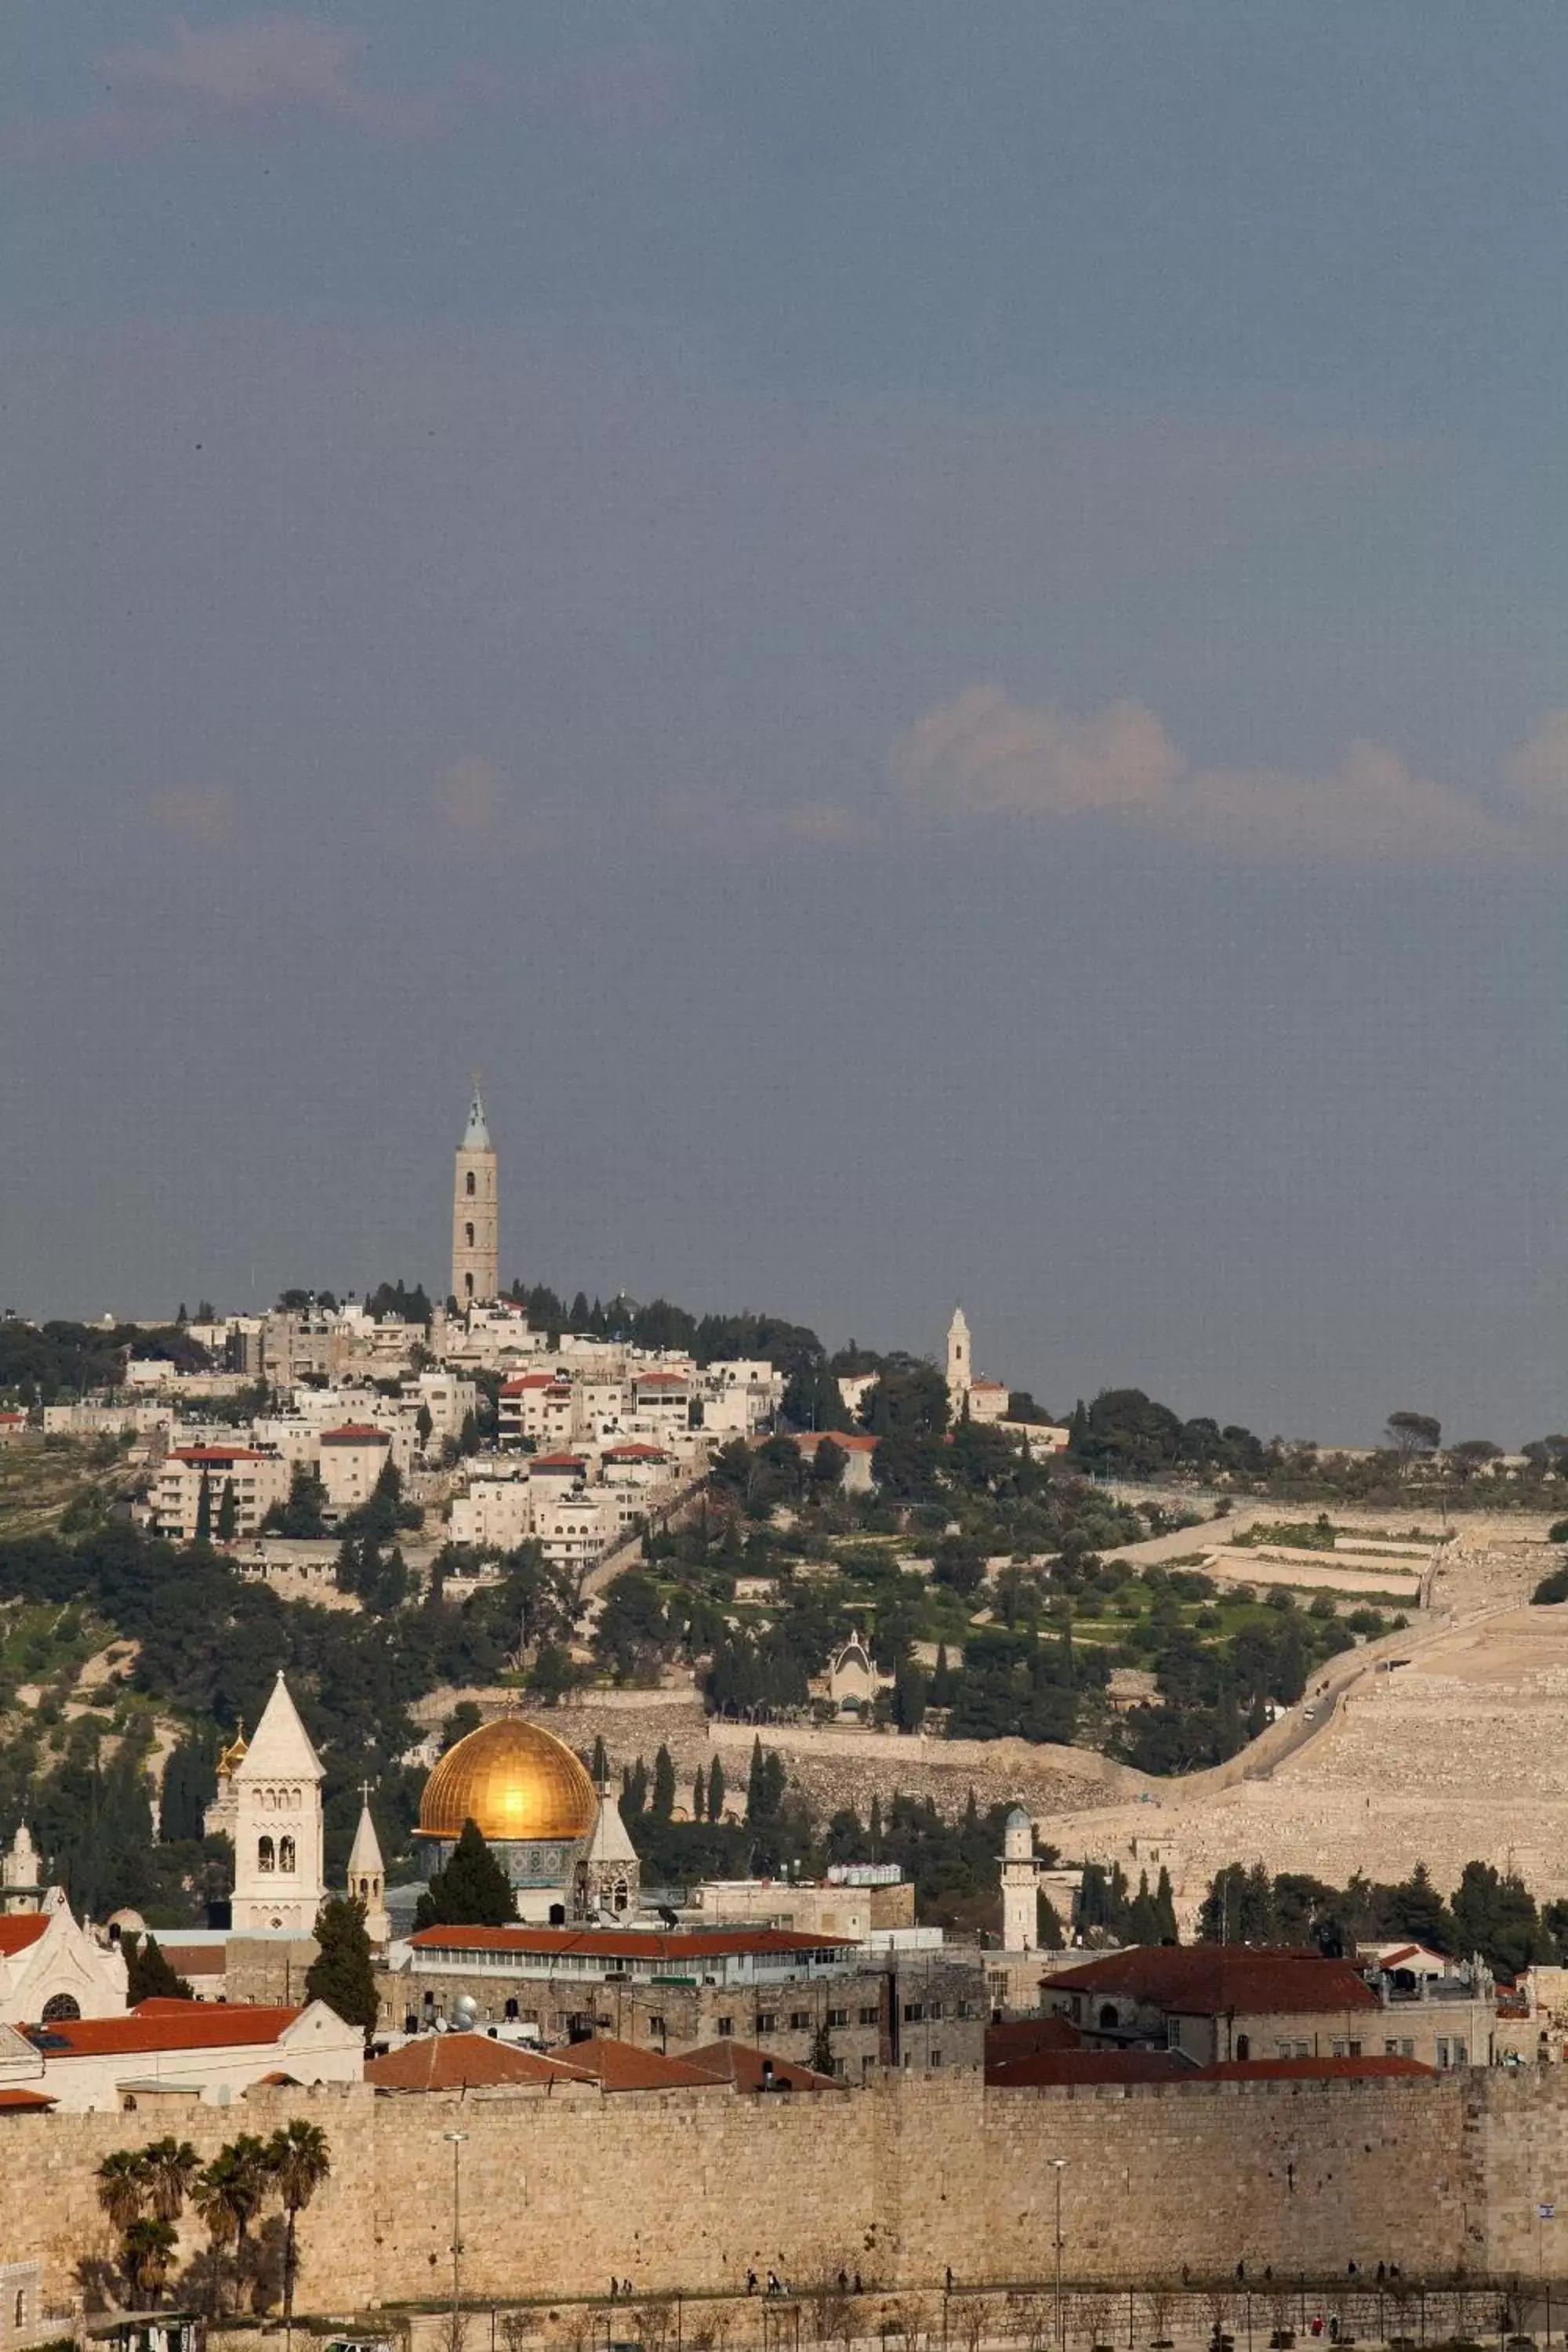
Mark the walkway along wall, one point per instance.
(692, 2189)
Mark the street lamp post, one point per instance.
(456, 2138)
(1059, 2166)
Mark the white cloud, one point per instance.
(257, 67)
(466, 799)
(983, 755)
(205, 816)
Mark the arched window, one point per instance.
(286, 1853)
(61, 2008)
(1243, 2045)
(621, 1896)
(1110, 2015)
(265, 1857)
(19, 2320)
(471, 1188)
(468, 1286)
(469, 1231)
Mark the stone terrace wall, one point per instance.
(690, 2189)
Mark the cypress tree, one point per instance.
(599, 1769)
(699, 1793)
(1165, 1907)
(755, 1785)
(148, 1975)
(343, 1974)
(663, 1784)
(205, 1512)
(227, 1513)
(473, 1891)
(716, 1791)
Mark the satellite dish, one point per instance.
(465, 2012)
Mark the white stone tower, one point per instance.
(959, 1364)
(475, 1240)
(276, 1787)
(367, 1873)
(19, 1875)
(608, 1877)
(1020, 1883)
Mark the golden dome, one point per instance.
(512, 1780)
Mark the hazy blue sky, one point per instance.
(937, 633)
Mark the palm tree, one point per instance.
(300, 2160)
(230, 2192)
(123, 2186)
(146, 2250)
(171, 2166)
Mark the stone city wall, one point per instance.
(690, 2189)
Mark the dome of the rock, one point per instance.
(514, 1781)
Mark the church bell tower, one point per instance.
(476, 1242)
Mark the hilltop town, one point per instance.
(416, 1710)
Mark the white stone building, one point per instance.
(275, 1786)
(257, 1480)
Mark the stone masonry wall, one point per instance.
(692, 2188)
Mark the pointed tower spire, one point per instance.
(476, 1244)
(367, 1873)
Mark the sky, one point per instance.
(935, 635)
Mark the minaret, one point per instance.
(608, 1877)
(367, 1873)
(276, 1785)
(1020, 1883)
(476, 1244)
(19, 1875)
(959, 1364)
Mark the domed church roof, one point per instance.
(512, 1780)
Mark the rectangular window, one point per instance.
(726, 2027)
(966, 2009)
(1172, 2033)
(1407, 2049)
(865, 2066)
(767, 2021)
(656, 2025)
(1391, 2049)
(838, 2016)
(870, 2016)
(1461, 2054)
(1302, 2051)
(934, 2009)
(799, 2019)
(1355, 2050)
(1339, 2049)
(936, 2057)
(914, 2011)
(1441, 2053)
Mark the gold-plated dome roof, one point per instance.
(512, 1780)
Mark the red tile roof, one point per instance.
(216, 1453)
(627, 1943)
(851, 1440)
(622, 2066)
(355, 1432)
(165, 2025)
(1308, 2070)
(661, 1379)
(528, 1381)
(18, 1932)
(7, 1415)
(1020, 2037)
(1041, 2069)
(26, 2103)
(1204, 1979)
(559, 1462)
(635, 1451)
(460, 2061)
(740, 2064)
